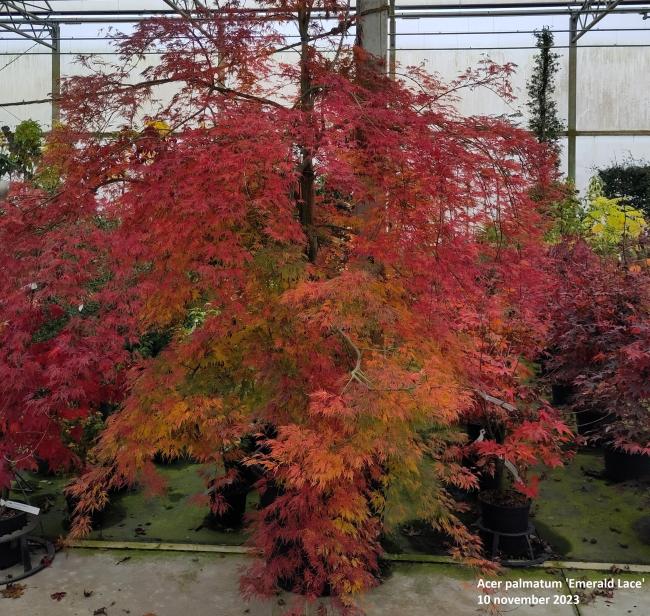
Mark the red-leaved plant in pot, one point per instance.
(522, 439)
(328, 236)
(518, 431)
(600, 344)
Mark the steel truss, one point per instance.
(590, 13)
(29, 20)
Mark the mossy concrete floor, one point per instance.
(581, 515)
(174, 517)
(118, 583)
(585, 517)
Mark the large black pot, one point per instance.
(509, 519)
(234, 494)
(622, 466)
(590, 422)
(504, 518)
(561, 393)
(10, 550)
(96, 518)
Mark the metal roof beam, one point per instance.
(183, 7)
(21, 18)
(590, 13)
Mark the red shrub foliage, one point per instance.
(600, 342)
(344, 258)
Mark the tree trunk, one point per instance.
(306, 104)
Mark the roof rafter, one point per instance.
(21, 18)
(185, 7)
(590, 13)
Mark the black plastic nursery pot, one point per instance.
(561, 393)
(96, 518)
(508, 519)
(234, 495)
(623, 466)
(504, 517)
(10, 522)
(589, 422)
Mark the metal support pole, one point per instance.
(573, 71)
(392, 40)
(372, 27)
(55, 29)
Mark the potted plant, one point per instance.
(627, 443)
(601, 344)
(11, 520)
(625, 388)
(228, 493)
(516, 439)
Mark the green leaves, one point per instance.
(544, 121)
(20, 150)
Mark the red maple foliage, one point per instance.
(600, 343)
(339, 256)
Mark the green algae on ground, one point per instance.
(172, 517)
(597, 518)
(583, 517)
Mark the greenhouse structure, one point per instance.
(320, 307)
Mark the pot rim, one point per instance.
(481, 498)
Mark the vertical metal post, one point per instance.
(392, 40)
(55, 30)
(573, 71)
(372, 27)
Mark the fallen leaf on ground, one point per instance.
(100, 612)
(13, 591)
(88, 593)
(57, 596)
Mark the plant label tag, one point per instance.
(19, 506)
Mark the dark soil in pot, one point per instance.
(623, 466)
(505, 511)
(10, 521)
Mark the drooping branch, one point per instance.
(496, 401)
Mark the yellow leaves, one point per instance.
(610, 222)
(345, 526)
(160, 126)
(13, 591)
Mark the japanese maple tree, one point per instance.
(600, 343)
(335, 262)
